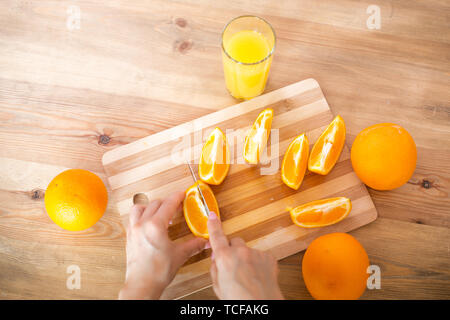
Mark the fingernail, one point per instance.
(207, 245)
(212, 216)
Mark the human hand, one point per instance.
(152, 258)
(239, 272)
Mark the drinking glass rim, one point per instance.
(257, 62)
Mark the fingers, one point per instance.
(191, 247)
(151, 209)
(136, 213)
(168, 208)
(236, 242)
(217, 238)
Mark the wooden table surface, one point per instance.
(71, 89)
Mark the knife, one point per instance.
(205, 206)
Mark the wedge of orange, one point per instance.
(328, 147)
(321, 213)
(256, 139)
(215, 158)
(295, 161)
(194, 211)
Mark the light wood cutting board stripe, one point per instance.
(284, 116)
(143, 179)
(151, 162)
(253, 206)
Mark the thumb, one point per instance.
(189, 248)
(217, 238)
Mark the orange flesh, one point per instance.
(193, 209)
(328, 147)
(321, 212)
(256, 139)
(295, 162)
(215, 158)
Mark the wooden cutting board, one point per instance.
(252, 199)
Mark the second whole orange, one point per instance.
(384, 156)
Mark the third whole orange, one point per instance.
(334, 267)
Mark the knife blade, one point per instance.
(205, 206)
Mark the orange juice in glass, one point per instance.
(248, 43)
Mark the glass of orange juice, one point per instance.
(248, 43)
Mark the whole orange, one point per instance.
(384, 156)
(334, 267)
(76, 199)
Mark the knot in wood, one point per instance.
(426, 184)
(182, 23)
(37, 194)
(183, 46)
(104, 139)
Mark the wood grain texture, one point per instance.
(135, 68)
(252, 203)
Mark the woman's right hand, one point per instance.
(239, 272)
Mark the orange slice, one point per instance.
(328, 147)
(194, 211)
(295, 161)
(215, 158)
(321, 213)
(256, 139)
